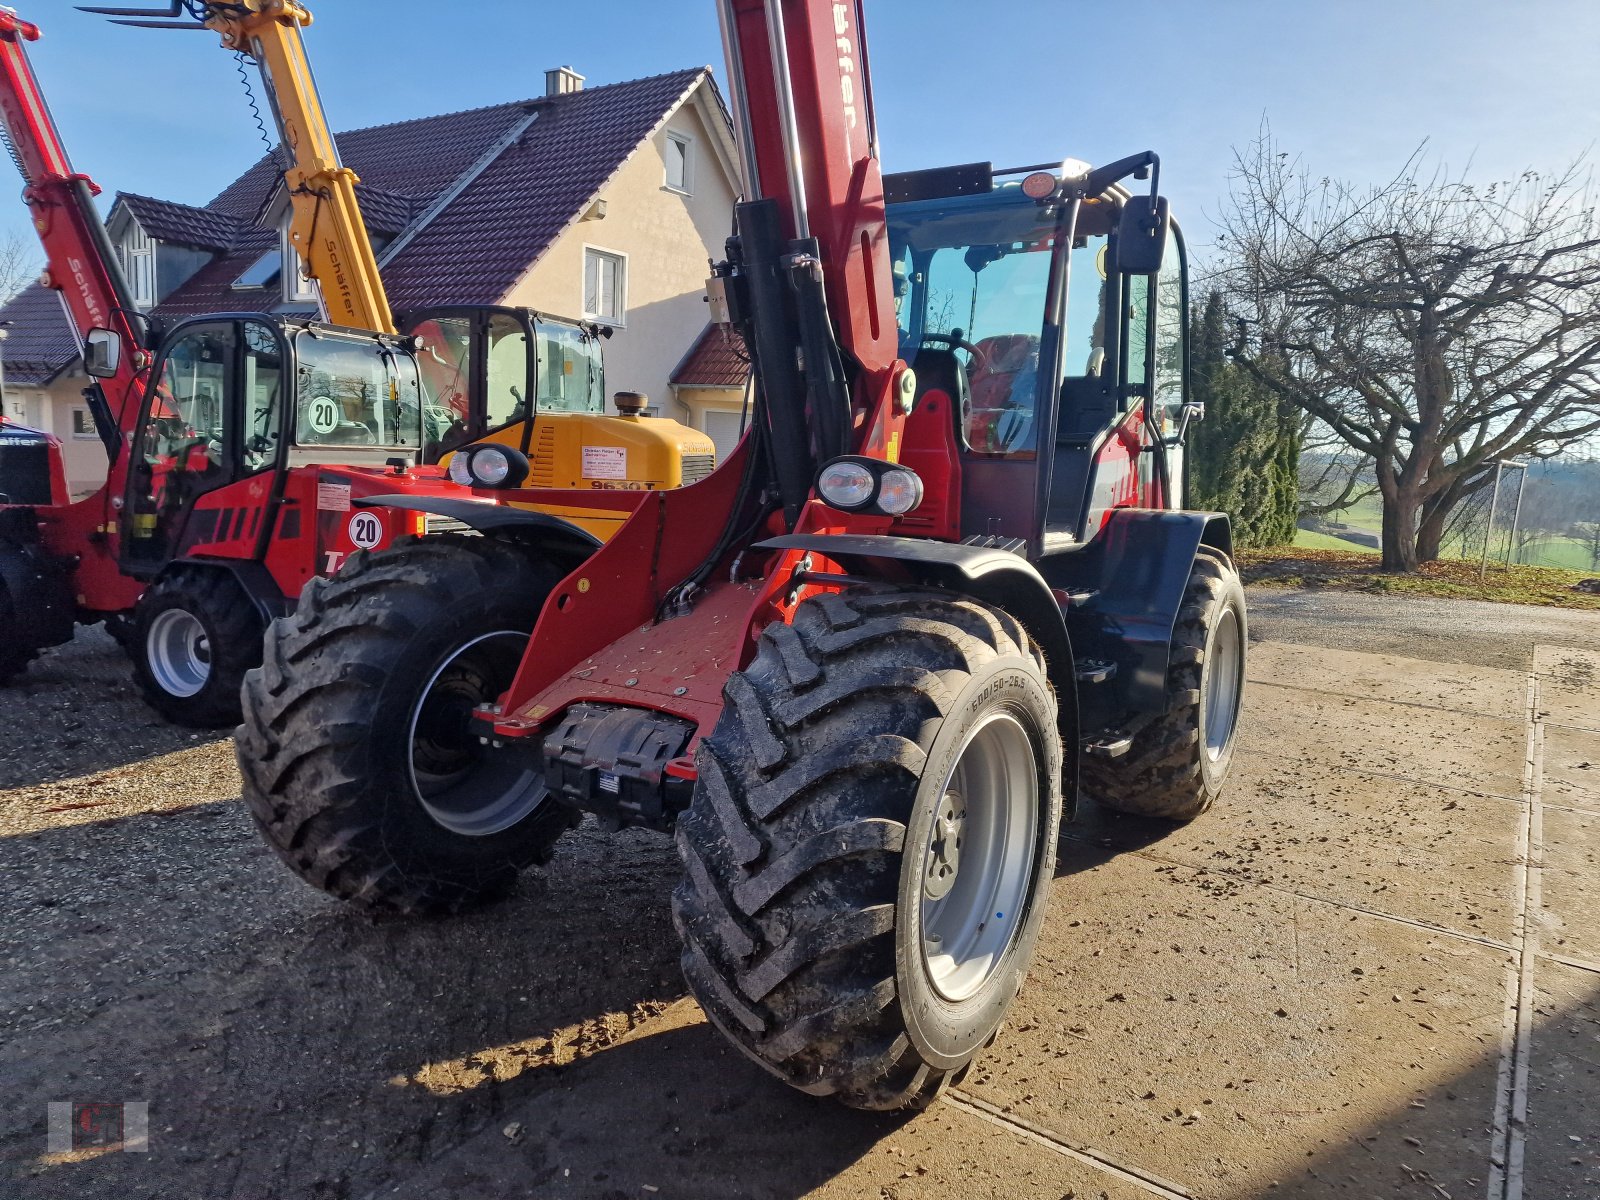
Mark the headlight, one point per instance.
(845, 484)
(489, 466)
(857, 483)
(899, 491)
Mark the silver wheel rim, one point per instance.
(178, 652)
(978, 863)
(464, 787)
(1223, 679)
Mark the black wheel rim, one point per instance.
(460, 783)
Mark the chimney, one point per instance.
(558, 81)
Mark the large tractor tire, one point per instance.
(361, 760)
(1178, 763)
(195, 633)
(15, 652)
(870, 842)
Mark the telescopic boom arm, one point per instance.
(80, 263)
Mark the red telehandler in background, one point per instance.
(237, 445)
(860, 671)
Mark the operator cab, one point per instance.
(467, 351)
(1065, 376)
(248, 395)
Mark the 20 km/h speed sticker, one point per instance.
(365, 529)
(323, 415)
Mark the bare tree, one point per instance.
(1433, 326)
(19, 264)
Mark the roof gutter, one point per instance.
(462, 182)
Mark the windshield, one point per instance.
(972, 276)
(355, 392)
(571, 374)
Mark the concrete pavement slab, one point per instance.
(1562, 1158)
(1572, 767)
(1460, 750)
(1486, 691)
(1568, 666)
(1571, 884)
(1577, 708)
(1425, 853)
(1234, 1038)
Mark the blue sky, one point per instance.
(1353, 85)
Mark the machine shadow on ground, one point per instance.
(77, 712)
(287, 1045)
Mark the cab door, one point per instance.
(211, 416)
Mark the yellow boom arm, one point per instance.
(325, 226)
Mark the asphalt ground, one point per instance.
(1373, 971)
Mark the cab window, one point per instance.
(355, 392)
(1171, 330)
(571, 375)
(185, 433)
(445, 363)
(263, 396)
(507, 373)
(971, 277)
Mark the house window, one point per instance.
(605, 281)
(139, 265)
(676, 150)
(82, 424)
(295, 285)
(262, 272)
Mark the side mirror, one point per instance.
(102, 353)
(1142, 234)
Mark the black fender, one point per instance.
(1126, 586)
(998, 577)
(253, 578)
(38, 585)
(543, 531)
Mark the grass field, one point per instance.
(1366, 515)
(1312, 540)
(1355, 569)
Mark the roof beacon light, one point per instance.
(1041, 185)
(1075, 170)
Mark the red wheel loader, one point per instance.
(944, 586)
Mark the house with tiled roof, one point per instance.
(600, 202)
(712, 384)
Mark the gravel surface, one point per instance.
(1476, 632)
(154, 949)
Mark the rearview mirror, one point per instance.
(102, 353)
(1142, 234)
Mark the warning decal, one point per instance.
(333, 497)
(605, 462)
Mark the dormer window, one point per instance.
(296, 287)
(138, 254)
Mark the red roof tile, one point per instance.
(717, 359)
